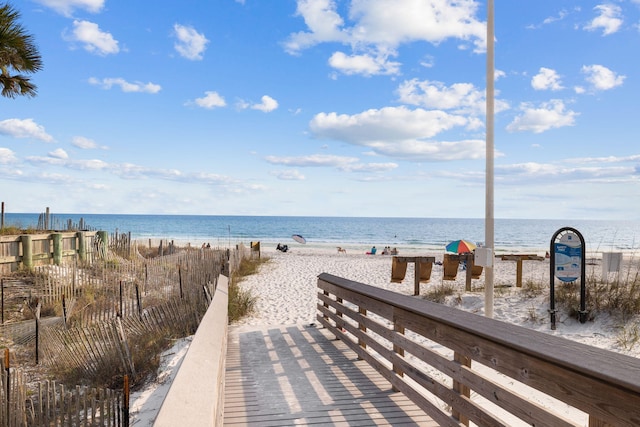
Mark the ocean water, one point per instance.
(412, 234)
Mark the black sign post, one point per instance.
(567, 263)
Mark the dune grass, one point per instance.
(242, 301)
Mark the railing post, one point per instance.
(363, 328)
(27, 252)
(57, 248)
(397, 327)
(339, 314)
(461, 388)
(82, 246)
(468, 263)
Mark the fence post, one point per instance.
(125, 403)
(37, 318)
(103, 243)
(57, 248)
(139, 301)
(27, 252)
(8, 374)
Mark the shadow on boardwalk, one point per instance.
(299, 375)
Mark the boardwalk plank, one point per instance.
(299, 375)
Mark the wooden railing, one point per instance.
(196, 396)
(460, 367)
(29, 250)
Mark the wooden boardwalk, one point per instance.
(297, 375)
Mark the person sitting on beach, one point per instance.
(385, 251)
(394, 251)
(372, 251)
(282, 248)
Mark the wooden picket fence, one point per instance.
(55, 405)
(106, 305)
(13, 395)
(51, 404)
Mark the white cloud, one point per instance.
(549, 115)
(190, 44)
(7, 156)
(58, 153)
(89, 164)
(564, 170)
(84, 143)
(267, 105)
(546, 79)
(461, 98)
(400, 133)
(378, 27)
(365, 65)
(26, 128)
(345, 164)
(66, 7)
(409, 20)
(94, 39)
(210, 100)
(289, 175)
(602, 78)
(369, 167)
(433, 94)
(385, 124)
(323, 21)
(609, 19)
(498, 74)
(125, 86)
(314, 160)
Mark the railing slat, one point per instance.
(602, 384)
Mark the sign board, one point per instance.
(483, 257)
(567, 264)
(568, 257)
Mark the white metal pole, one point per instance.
(489, 219)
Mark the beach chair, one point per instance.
(398, 270)
(476, 271)
(425, 271)
(449, 268)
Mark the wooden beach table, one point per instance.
(417, 260)
(467, 258)
(519, 258)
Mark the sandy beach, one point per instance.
(286, 293)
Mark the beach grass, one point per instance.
(242, 301)
(9, 230)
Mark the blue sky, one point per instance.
(326, 107)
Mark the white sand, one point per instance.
(286, 287)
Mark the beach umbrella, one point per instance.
(460, 246)
(298, 238)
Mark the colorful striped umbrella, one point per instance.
(460, 246)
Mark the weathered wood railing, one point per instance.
(426, 351)
(29, 250)
(196, 396)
